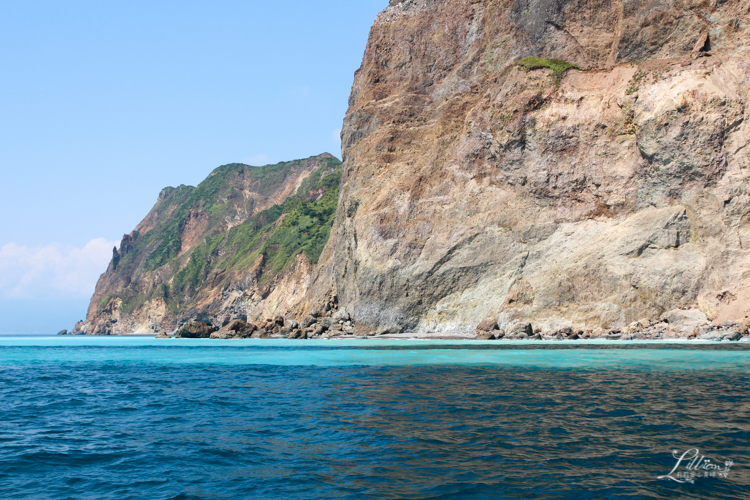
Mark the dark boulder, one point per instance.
(566, 332)
(487, 325)
(734, 336)
(308, 320)
(62, 332)
(521, 331)
(236, 325)
(296, 334)
(195, 330)
(246, 332)
(319, 329)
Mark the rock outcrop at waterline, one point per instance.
(476, 187)
(240, 246)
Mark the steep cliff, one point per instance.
(240, 245)
(479, 182)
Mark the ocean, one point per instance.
(141, 418)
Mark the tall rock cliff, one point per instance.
(483, 178)
(240, 245)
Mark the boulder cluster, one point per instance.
(314, 325)
(336, 323)
(489, 330)
(730, 331)
(639, 330)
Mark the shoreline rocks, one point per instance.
(338, 324)
(236, 328)
(334, 323)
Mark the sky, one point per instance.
(103, 104)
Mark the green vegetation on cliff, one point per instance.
(203, 197)
(275, 236)
(557, 66)
(301, 224)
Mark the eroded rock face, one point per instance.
(474, 189)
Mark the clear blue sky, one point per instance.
(102, 104)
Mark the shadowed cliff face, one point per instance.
(240, 245)
(473, 188)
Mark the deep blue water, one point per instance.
(133, 418)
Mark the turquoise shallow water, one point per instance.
(127, 417)
(670, 356)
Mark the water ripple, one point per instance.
(121, 425)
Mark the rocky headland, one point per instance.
(511, 169)
(240, 245)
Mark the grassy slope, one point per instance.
(557, 66)
(301, 223)
(305, 228)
